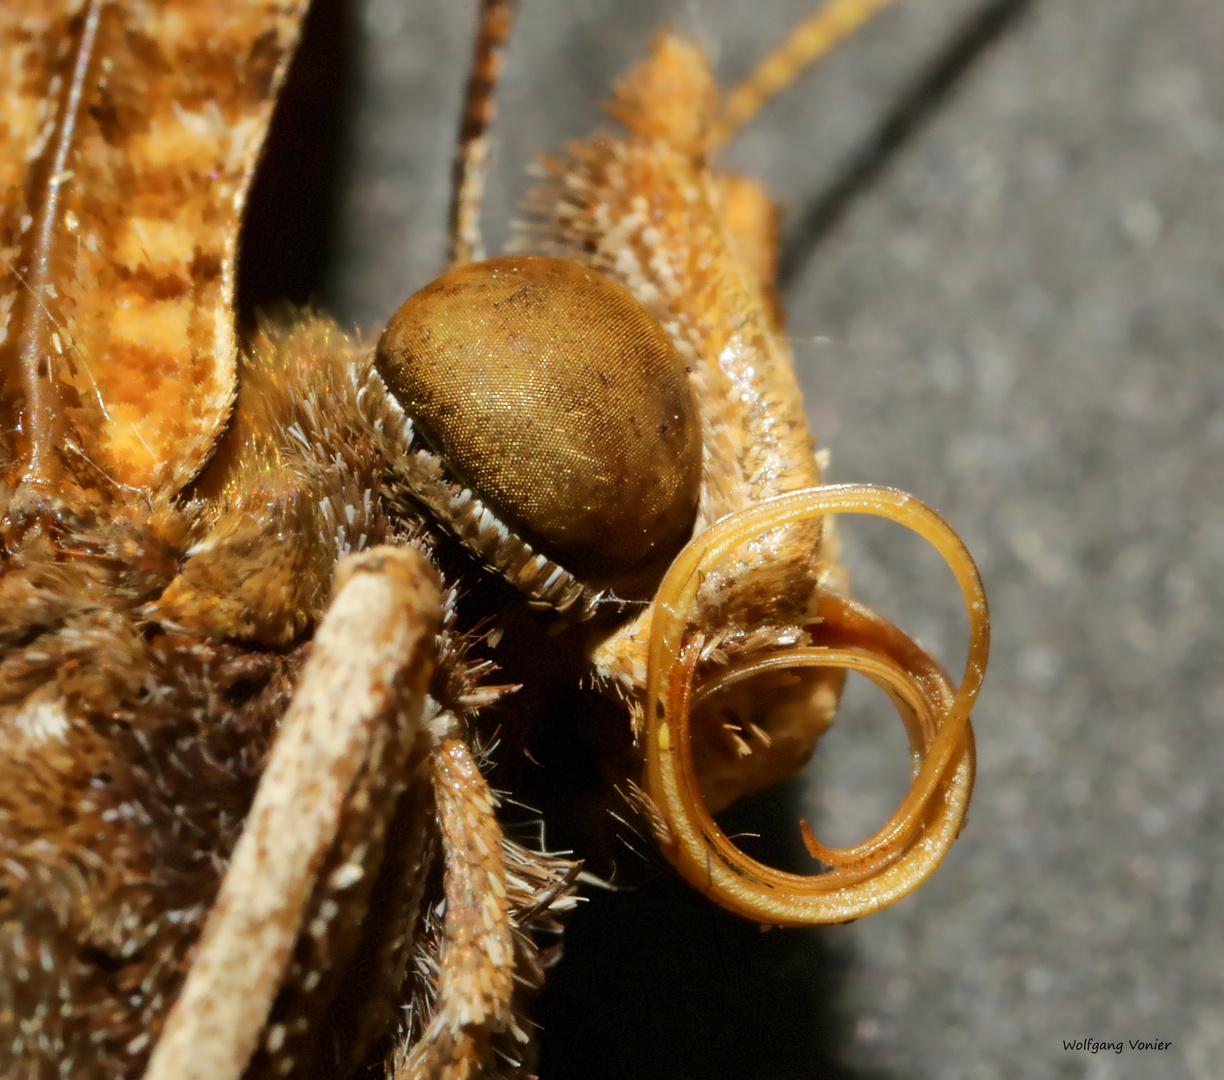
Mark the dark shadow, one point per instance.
(659, 984)
(285, 245)
(915, 106)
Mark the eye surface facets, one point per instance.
(560, 400)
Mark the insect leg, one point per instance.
(356, 716)
(476, 982)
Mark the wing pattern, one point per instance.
(129, 133)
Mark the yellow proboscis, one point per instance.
(907, 849)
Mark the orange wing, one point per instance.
(129, 134)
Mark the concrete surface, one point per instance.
(1006, 285)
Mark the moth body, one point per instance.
(277, 621)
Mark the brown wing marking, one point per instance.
(130, 133)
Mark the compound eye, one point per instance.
(559, 399)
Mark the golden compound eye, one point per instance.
(555, 396)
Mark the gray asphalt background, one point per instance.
(1005, 278)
